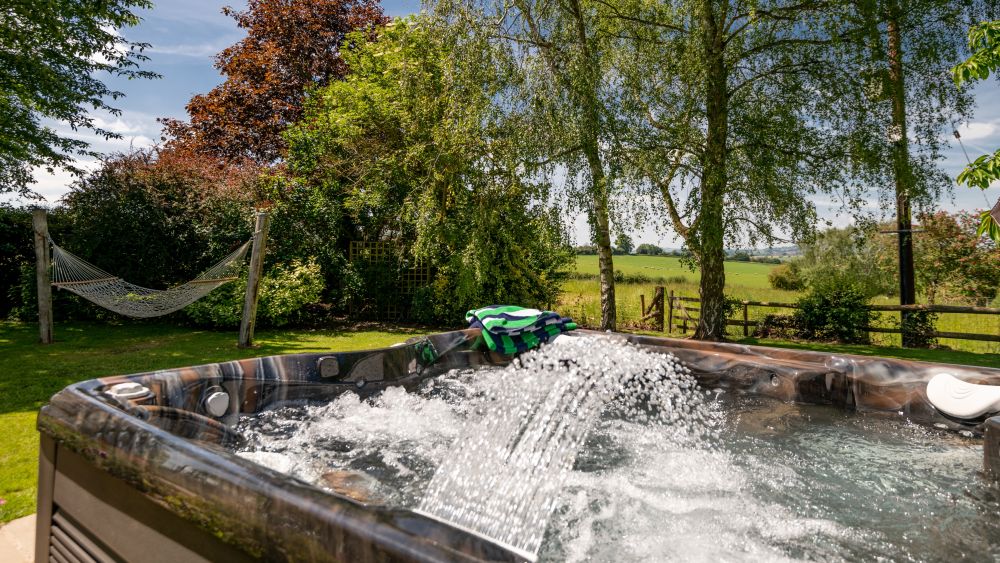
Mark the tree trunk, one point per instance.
(901, 167)
(589, 100)
(602, 238)
(711, 252)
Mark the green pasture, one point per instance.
(746, 274)
(744, 280)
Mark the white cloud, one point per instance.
(138, 129)
(120, 124)
(54, 185)
(119, 47)
(199, 50)
(977, 130)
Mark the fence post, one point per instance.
(253, 281)
(658, 303)
(746, 320)
(642, 306)
(670, 313)
(43, 258)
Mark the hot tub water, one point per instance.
(661, 473)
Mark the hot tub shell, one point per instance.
(148, 478)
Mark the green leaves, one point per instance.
(51, 57)
(989, 226)
(984, 42)
(983, 171)
(414, 144)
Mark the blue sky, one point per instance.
(186, 34)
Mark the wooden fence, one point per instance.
(681, 313)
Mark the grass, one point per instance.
(31, 373)
(751, 275)
(744, 280)
(943, 356)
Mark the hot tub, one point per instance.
(142, 467)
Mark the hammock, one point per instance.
(72, 273)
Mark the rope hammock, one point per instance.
(72, 273)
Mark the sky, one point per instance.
(186, 34)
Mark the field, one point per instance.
(744, 280)
(750, 275)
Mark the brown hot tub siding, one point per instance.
(166, 448)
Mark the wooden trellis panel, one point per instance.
(407, 276)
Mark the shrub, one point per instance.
(16, 250)
(919, 326)
(777, 326)
(859, 255)
(154, 218)
(285, 292)
(835, 309)
(788, 277)
(622, 277)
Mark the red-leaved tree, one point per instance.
(954, 261)
(290, 46)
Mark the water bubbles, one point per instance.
(503, 475)
(601, 451)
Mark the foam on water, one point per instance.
(396, 439)
(502, 477)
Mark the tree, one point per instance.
(156, 218)
(853, 255)
(649, 249)
(984, 41)
(892, 103)
(563, 99)
(953, 260)
(290, 46)
(52, 59)
(623, 243)
(717, 99)
(418, 154)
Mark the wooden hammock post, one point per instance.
(253, 281)
(43, 258)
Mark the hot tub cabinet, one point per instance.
(136, 467)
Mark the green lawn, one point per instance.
(31, 373)
(942, 356)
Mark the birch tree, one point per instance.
(719, 98)
(563, 101)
